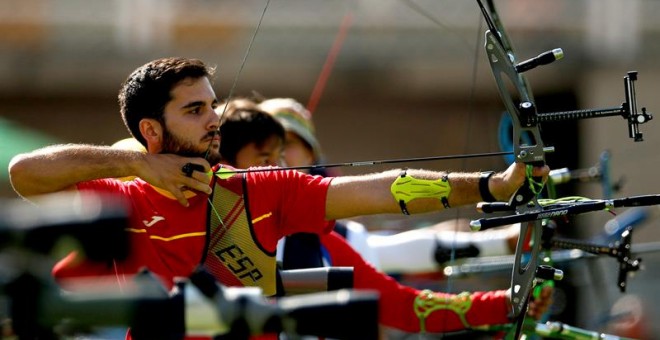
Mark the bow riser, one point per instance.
(521, 114)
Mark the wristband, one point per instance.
(486, 196)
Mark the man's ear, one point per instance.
(152, 131)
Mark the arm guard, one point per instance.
(407, 188)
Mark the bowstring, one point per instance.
(470, 120)
(470, 116)
(229, 96)
(328, 66)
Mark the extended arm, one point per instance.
(440, 312)
(371, 194)
(414, 251)
(61, 167)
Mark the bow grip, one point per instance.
(526, 192)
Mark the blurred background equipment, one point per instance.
(34, 307)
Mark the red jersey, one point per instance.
(397, 302)
(169, 239)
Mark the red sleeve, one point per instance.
(103, 185)
(397, 301)
(299, 200)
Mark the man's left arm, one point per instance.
(417, 191)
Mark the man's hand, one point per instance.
(166, 171)
(538, 306)
(503, 185)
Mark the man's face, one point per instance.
(191, 123)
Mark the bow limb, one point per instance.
(518, 100)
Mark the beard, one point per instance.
(176, 145)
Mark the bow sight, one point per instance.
(627, 110)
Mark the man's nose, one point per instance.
(214, 120)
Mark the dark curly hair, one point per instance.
(147, 90)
